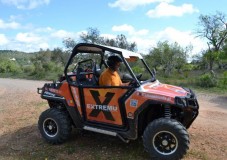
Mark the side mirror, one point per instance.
(153, 71)
(127, 77)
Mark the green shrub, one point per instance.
(7, 66)
(59, 69)
(50, 66)
(137, 69)
(39, 71)
(188, 67)
(207, 80)
(224, 81)
(28, 68)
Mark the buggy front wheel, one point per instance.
(166, 139)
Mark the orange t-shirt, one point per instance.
(109, 78)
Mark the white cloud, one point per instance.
(26, 4)
(127, 5)
(44, 30)
(15, 17)
(48, 37)
(28, 38)
(3, 40)
(165, 10)
(64, 34)
(145, 43)
(43, 38)
(44, 45)
(183, 38)
(24, 47)
(142, 32)
(130, 30)
(123, 28)
(110, 36)
(29, 47)
(10, 25)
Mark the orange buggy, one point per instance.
(160, 113)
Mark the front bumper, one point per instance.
(190, 107)
(189, 101)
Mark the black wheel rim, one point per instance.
(50, 127)
(165, 142)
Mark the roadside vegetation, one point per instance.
(206, 70)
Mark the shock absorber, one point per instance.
(167, 111)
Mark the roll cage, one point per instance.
(103, 51)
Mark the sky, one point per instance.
(31, 25)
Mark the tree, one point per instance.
(9, 66)
(214, 29)
(223, 56)
(59, 56)
(181, 55)
(122, 42)
(154, 57)
(200, 60)
(48, 64)
(69, 43)
(92, 36)
(167, 56)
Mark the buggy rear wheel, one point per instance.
(55, 126)
(166, 139)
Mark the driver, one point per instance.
(110, 76)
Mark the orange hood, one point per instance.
(157, 90)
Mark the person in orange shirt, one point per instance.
(110, 77)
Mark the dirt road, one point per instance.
(20, 107)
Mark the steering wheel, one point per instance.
(133, 82)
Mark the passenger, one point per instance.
(110, 76)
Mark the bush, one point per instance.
(7, 66)
(188, 67)
(49, 67)
(224, 81)
(207, 80)
(137, 69)
(28, 68)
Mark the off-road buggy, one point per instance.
(160, 113)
